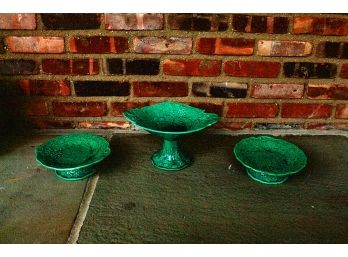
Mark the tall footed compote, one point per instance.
(171, 121)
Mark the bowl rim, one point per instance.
(85, 164)
(214, 116)
(300, 151)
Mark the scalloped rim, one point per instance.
(213, 115)
(107, 153)
(267, 172)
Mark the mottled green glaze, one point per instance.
(269, 160)
(171, 120)
(71, 156)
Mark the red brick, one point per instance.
(276, 90)
(98, 44)
(342, 111)
(251, 110)
(234, 125)
(344, 71)
(320, 25)
(193, 67)
(52, 124)
(284, 48)
(35, 44)
(36, 108)
(327, 91)
(70, 66)
(79, 109)
(45, 87)
(252, 69)
(164, 45)
(139, 21)
(225, 46)
(118, 108)
(17, 21)
(308, 111)
(105, 125)
(162, 89)
(208, 107)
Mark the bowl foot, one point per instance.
(170, 157)
(76, 174)
(266, 179)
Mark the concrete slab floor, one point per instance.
(212, 203)
(35, 206)
(206, 203)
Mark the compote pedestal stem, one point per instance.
(170, 157)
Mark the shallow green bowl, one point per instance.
(269, 160)
(72, 156)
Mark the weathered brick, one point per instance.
(276, 90)
(234, 125)
(284, 48)
(142, 67)
(18, 67)
(165, 45)
(52, 124)
(35, 44)
(225, 46)
(327, 91)
(265, 126)
(45, 87)
(113, 66)
(71, 21)
(8, 89)
(192, 67)
(36, 108)
(208, 107)
(220, 89)
(251, 110)
(344, 71)
(332, 50)
(70, 66)
(79, 109)
(309, 70)
(308, 111)
(101, 88)
(252, 69)
(17, 21)
(260, 24)
(2, 46)
(327, 126)
(341, 111)
(104, 125)
(162, 88)
(198, 22)
(118, 108)
(139, 21)
(320, 25)
(96, 44)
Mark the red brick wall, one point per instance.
(286, 71)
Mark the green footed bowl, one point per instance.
(72, 156)
(171, 120)
(269, 160)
